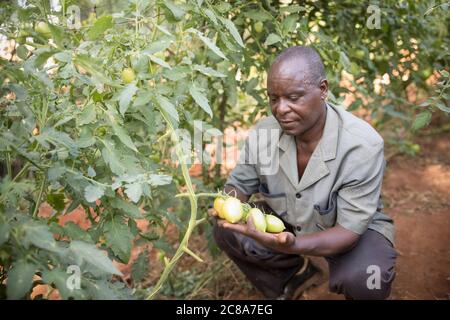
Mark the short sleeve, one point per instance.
(358, 199)
(245, 175)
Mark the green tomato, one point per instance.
(415, 148)
(274, 224)
(360, 54)
(258, 26)
(258, 218)
(426, 73)
(43, 29)
(128, 75)
(218, 204)
(232, 210)
(22, 37)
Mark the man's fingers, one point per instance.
(285, 238)
(241, 228)
(212, 212)
(250, 224)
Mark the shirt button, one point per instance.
(298, 195)
(298, 228)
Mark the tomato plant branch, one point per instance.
(38, 200)
(193, 217)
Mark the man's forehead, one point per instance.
(291, 70)
(288, 82)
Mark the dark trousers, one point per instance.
(364, 272)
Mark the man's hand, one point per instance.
(282, 242)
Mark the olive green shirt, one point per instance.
(341, 183)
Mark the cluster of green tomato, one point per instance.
(232, 210)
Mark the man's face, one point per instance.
(296, 102)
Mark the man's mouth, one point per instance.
(286, 121)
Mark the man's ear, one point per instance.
(323, 88)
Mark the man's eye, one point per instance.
(293, 98)
(273, 99)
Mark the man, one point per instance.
(323, 180)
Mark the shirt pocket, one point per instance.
(276, 201)
(326, 214)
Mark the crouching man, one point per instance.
(320, 169)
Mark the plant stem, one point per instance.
(205, 194)
(8, 164)
(192, 220)
(38, 201)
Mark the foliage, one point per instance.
(85, 138)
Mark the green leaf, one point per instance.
(421, 120)
(293, 8)
(258, 15)
(125, 97)
(22, 52)
(134, 191)
(56, 201)
(232, 29)
(112, 158)
(175, 74)
(207, 41)
(168, 107)
(93, 192)
(289, 23)
(74, 232)
(41, 56)
(39, 235)
(88, 115)
(120, 132)
(163, 29)
(345, 62)
(159, 61)
(177, 10)
(158, 46)
(100, 26)
(91, 172)
(208, 71)
(92, 255)
(143, 98)
(119, 238)
(272, 39)
(20, 279)
(58, 278)
(211, 16)
(159, 179)
(140, 267)
(442, 106)
(92, 66)
(127, 208)
(200, 99)
(4, 231)
(63, 56)
(163, 245)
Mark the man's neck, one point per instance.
(310, 137)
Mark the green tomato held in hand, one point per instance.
(258, 218)
(274, 224)
(232, 210)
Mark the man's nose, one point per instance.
(283, 107)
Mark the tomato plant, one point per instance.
(89, 115)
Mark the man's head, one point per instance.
(297, 88)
